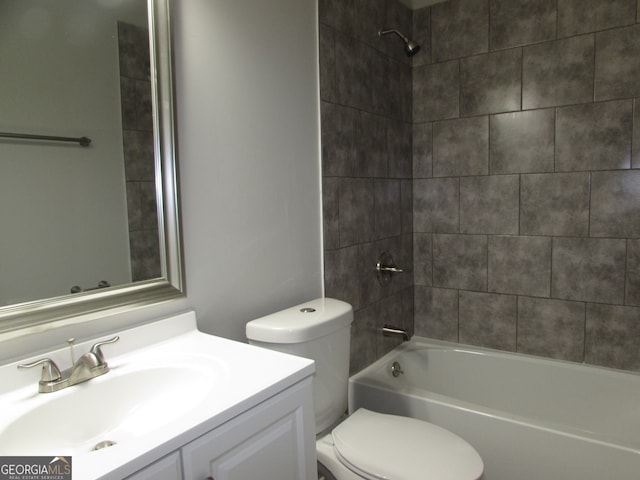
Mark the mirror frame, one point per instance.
(38, 313)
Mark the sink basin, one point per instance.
(126, 402)
(168, 384)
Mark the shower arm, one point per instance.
(392, 30)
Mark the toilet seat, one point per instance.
(380, 446)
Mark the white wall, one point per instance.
(248, 133)
(247, 93)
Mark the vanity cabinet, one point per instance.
(269, 441)
(167, 468)
(275, 440)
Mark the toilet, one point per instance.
(365, 444)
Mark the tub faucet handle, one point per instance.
(386, 268)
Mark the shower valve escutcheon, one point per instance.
(386, 268)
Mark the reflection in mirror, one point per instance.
(97, 216)
(137, 146)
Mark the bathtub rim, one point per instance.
(366, 376)
(417, 340)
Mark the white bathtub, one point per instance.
(529, 418)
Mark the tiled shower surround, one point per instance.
(525, 134)
(365, 88)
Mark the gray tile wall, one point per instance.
(137, 133)
(526, 201)
(500, 163)
(366, 119)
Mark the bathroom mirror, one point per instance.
(88, 175)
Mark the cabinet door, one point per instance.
(167, 468)
(274, 440)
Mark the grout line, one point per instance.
(521, 79)
(624, 283)
(432, 260)
(489, 165)
(486, 285)
(519, 203)
(430, 59)
(551, 268)
(517, 320)
(489, 46)
(433, 151)
(459, 60)
(584, 334)
(458, 329)
(557, 21)
(593, 83)
(555, 139)
(589, 206)
(634, 140)
(459, 206)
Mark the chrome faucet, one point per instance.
(90, 365)
(392, 331)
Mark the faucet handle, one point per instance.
(50, 371)
(97, 351)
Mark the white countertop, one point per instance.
(238, 376)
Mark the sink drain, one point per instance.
(103, 444)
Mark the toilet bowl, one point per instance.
(366, 444)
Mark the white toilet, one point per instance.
(364, 445)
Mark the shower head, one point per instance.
(410, 47)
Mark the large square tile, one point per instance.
(558, 72)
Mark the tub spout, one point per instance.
(391, 331)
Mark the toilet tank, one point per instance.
(319, 330)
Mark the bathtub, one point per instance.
(529, 418)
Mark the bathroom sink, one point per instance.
(125, 403)
(167, 385)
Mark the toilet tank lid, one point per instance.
(304, 322)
